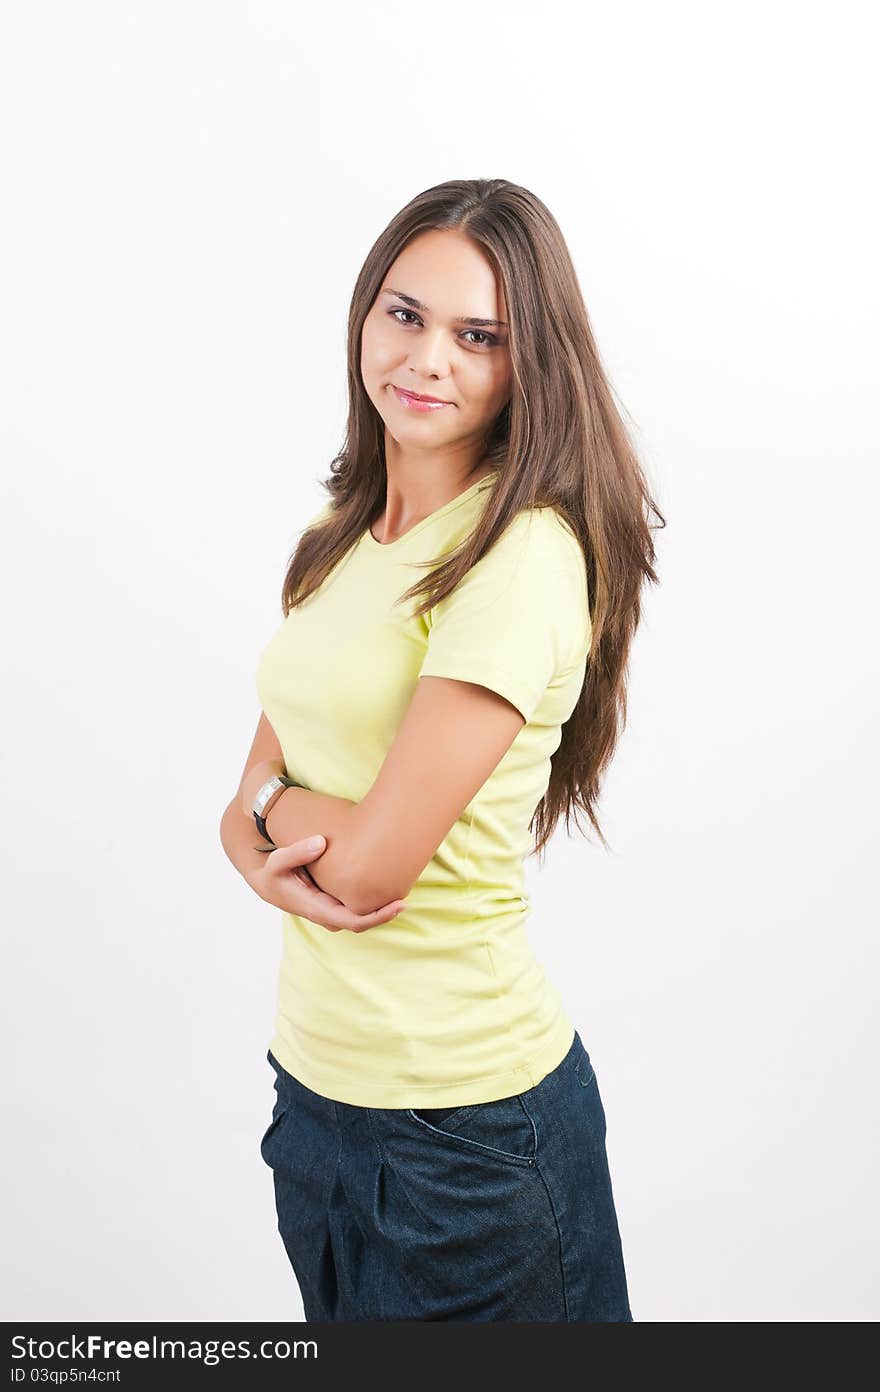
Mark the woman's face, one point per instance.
(413, 339)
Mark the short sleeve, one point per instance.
(519, 617)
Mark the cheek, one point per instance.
(377, 350)
(377, 364)
(488, 384)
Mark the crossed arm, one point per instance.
(452, 736)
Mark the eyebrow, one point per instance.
(475, 323)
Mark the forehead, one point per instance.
(450, 273)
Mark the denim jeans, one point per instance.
(489, 1211)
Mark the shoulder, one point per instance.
(542, 540)
(535, 565)
(537, 550)
(553, 527)
(519, 616)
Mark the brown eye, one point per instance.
(490, 340)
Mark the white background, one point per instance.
(189, 191)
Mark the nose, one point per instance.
(430, 356)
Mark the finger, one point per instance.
(359, 923)
(297, 853)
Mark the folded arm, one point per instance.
(452, 736)
(519, 617)
(304, 813)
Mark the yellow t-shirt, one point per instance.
(446, 1004)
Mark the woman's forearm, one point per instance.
(241, 840)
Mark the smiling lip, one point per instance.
(419, 403)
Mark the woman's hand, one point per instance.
(284, 881)
(254, 780)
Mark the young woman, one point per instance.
(448, 678)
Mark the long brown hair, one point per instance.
(560, 441)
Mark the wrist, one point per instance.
(240, 840)
(271, 813)
(253, 782)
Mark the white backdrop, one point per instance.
(189, 190)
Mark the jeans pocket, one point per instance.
(502, 1130)
(447, 1117)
